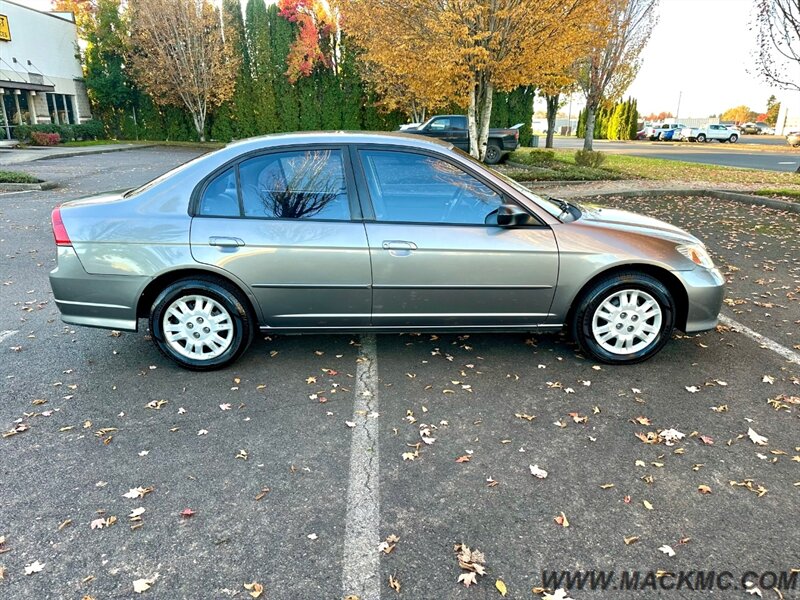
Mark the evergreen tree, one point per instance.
(239, 109)
(288, 104)
(351, 85)
(260, 49)
(330, 99)
(633, 123)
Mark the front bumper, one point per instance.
(107, 301)
(705, 289)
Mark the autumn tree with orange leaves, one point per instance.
(179, 56)
(440, 51)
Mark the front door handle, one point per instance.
(225, 242)
(398, 245)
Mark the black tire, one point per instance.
(228, 297)
(493, 154)
(701, 137)
(598, 293)
(733, 139)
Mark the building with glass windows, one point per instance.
(40, 75)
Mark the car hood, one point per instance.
(594, 214)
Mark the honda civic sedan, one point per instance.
(366, 232)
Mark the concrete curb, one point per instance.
(89, 151)
(25, 187)
(721, 194)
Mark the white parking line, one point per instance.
(4, 335)
(765, 342)
(361, 564)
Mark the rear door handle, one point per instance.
(225, 242)
(398, 245)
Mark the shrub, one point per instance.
(16, 177)
(589, 158)
(24, 133)
(90, 130)
(532, 156)
(39, 138)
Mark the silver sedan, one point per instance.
(332, 232)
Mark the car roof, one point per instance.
(339, 137)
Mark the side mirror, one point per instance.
(511, 215)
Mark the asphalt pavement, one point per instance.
(711, 153)
(297, 461)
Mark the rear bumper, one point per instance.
(107, 301)
(705, 289)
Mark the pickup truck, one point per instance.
(711, 132)
(453, 129)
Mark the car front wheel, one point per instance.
(701, 138)
(624, 319)
(201, 324)
(733, 138)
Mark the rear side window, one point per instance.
(220, 197)
(305, 184)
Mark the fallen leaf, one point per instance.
(34, 567)
(759, 440)
(394, 583)
(463, 459)
(537, 472)
(704, 489)
(562, 520)
(255, 589)
(559, 594)
(630, 540)
(647, 505)
(187, 512)
(142, 585)
(468, 579)
(667, 550)
(501, 587)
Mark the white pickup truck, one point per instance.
(710, 132)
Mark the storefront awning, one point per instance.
(24, 85)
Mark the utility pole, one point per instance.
(678, 110)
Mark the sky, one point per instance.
(700, 49)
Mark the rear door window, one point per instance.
(304, 184)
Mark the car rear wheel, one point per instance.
(701, 138)
(493, 154)
(624, 319)
(201, 324)
(733, 138)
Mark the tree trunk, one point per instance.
(479, 115)
(472, 124)
(588, 136)
(552, 110)
(199, 124)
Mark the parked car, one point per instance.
(793, 138)
(453, 129)
(349, 232)
(754, 128)
(656, 132)
(710, 132)
(405, 126)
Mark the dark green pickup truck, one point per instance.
(453, 129)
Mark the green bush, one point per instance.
(589, 158)
(16, 177)
(532, 157)
(24, 132)
(90, 130)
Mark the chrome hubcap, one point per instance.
(198, 327)
(627, 322)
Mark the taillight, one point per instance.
(516, 134)
(59, 231)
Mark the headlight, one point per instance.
(698, 254)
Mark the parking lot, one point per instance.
(299, 460)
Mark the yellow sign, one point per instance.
(5, 32)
